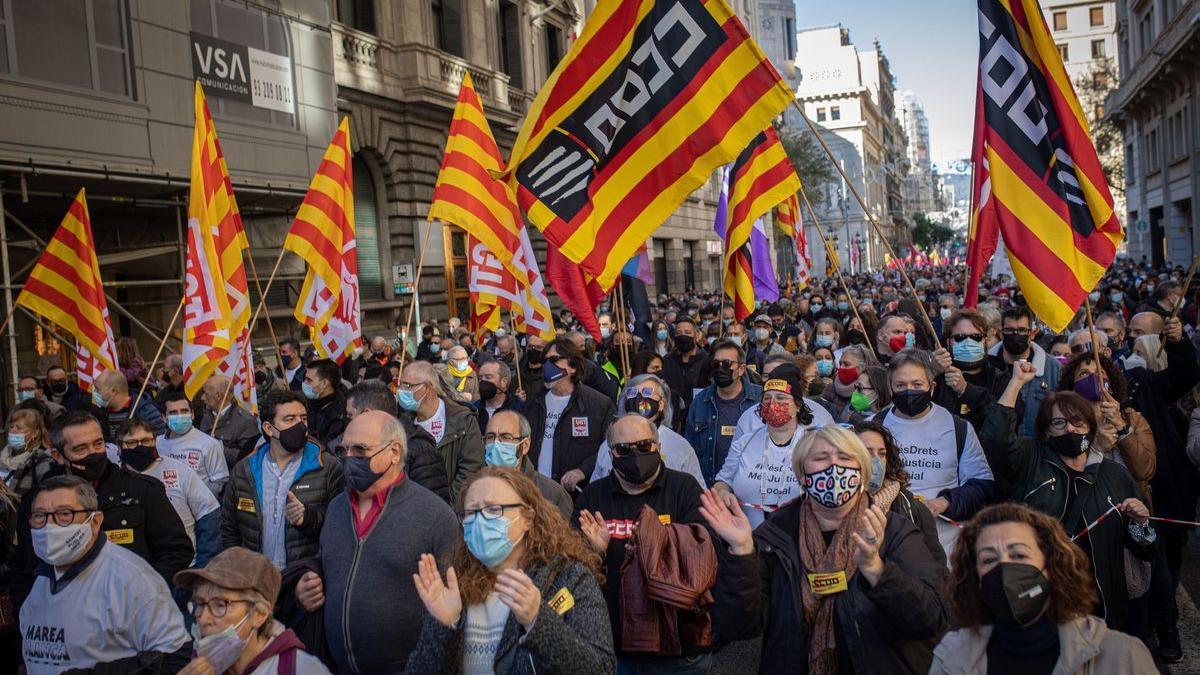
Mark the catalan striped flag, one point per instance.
(790, 223)
(652, 98)
(216, 336)
(467, 193)
(1038, 182)
(323, 235)
(65, 288)
(761, 178)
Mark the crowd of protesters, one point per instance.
(864, 478)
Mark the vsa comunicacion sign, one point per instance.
(241, 73)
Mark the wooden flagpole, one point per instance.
(416, 293)
(838, 268)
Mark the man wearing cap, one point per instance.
(762, 344)
(94, 604)
(232, 600)
(375, 533)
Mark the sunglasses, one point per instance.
(959, 337)
(625, 449)
(726, 363)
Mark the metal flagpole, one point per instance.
(870, 218)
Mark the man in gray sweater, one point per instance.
(374, 534)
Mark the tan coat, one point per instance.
(1086, 647)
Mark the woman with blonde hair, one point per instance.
(25, 459)
(830, 581)
(1021, 594)
(131, 362)
(522, 593)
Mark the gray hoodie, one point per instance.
(1086, 645)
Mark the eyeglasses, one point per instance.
(411, 386)
(863, 389)
(624, 449)
(503, 438)
(959, 337)
(135, 444)
(489, 512)
(217, 606)
(1060, 423)
(726, 363)
(647, 391)
(1081, 348)
(358, 450)
(555, 358)
(62, 517)
(1022, 332)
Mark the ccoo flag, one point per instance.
(323, 235)
(65, 288)
(1038, 182)
(652, 98)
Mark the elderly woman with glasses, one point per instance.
(831, 581)
(650, 396)
(521, 594)
(1062, 472)
(232, 600)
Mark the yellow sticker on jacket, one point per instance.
(728, 429)
(664, 518)
(827, 583)
(123, 537)
(245, 504)
(562, 601)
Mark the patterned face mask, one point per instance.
(833, 486)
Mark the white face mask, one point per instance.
(61, 545)
(762, 334)
(946, 313)
(1135, 360)
(461, 364)
(223, 649)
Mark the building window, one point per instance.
(366, 232)
(357, 14)
(509, 28)
(447, 26)
(1096, 16)
(1060, 21)
(1146, 30)
(554, 48)
(820, 114)
(835, 112)
(1063, 52)
(1150, 140)
(1130, 166)
(1177, 139)
(79, 43)
(1097, 49)
(789, 37)
(247, 25)
(1100, 80)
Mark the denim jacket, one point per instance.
(702, 428)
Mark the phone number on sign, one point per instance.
(272, 91)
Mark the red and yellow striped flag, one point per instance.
(323, 235)
(65, 288)
(466, 193)
(1038, 181)
(652, 98)
(216, 336)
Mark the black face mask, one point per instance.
(487, 390)
(684, 344)
(89, 468)
(637, 467)
(58, 388)
(646, 407)
(138, 458)
(294, 438)
(535, 357)
(723, 376)
(816, 388)
(1016, 344)
(912, 402)
(856, 337)
(1014, 593)
(1069, 445)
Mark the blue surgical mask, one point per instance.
(407, 400)
(816, 307)
(16, 440)
(551, 373)
(824, 340)
(967, 351)
(825, 367)
(98, 400)
(499, 453)
(308, 391)
(662, 334)
(488, 540)
(179, 424)
(23, 396)
(910, 340)
(843, 306)
(876, 482)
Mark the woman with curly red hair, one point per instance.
(522, 593)
(1020, 592)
